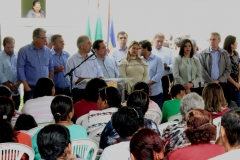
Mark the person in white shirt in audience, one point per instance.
(166, 55)
(120, 52)
(108, 66)
(155, 71)
(230, 135)
(126, 121)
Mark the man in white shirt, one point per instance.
(166, 55)
(230, 135)
(120, 52)
(126, 121)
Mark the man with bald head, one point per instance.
(89, 69)
(8, 69)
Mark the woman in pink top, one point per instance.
(214, 100)
(200, 131)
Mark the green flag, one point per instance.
(88, 31)
(98, 31)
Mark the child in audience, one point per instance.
(24, 123)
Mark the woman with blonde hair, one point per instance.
(133, 67)
(214, 100)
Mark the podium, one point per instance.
(120, 84)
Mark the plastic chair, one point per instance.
(45, 123)
(163, 126)
(153, 115)
(96, 134)
(81, 119)
(83, 147)
(32, 131)
(217, 123)
(15, 151)
(175, 117)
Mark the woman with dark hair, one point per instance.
(89, 102)
(172, 107)
(133, 67)
(200, 131)
(230, 45)
(39, 107)
(136, 98)
(25, 122)
(146, 145)
(5, 92)
(36, 11)
(7, 134)
(62, 111)
(54, 143)
(187, 68)
(214, 100)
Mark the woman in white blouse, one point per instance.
(186, 68)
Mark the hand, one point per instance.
(237, 85)
(166, 67)
(59, 69)
(27, 88)
(188, 91)
(14, 88)
(216, 81)
(188, 86)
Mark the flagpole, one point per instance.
(108, 24)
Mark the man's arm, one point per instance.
(51, 67)
(157, 77)
(51, 75)
(227, 71)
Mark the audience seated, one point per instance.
(230, 135)
(172, 107)
(90, 98)
(54, 143)
(39, 106)
(146, 145)
(62, 111)
(174, 135)
(7, 134)
(126, 121)
(109, 101)
(200, 131)
(136, 98)
(214, 100)
(24, 123)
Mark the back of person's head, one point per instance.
(142, 86)
(44, 87)
(92, 88)
(54, 142)
(146, 44)
(200, 128)
(61, 108)
(176, 89)
(189, 102)
(146, 145)
(25, 122)
(139, 99)
(226, 92)
(230, 130)
(110, 97)
(6, 113)
(228, 42)
(213, 97)
(5, 92)
(127, 120)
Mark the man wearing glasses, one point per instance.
(34, 62)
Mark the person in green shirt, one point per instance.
(172, 107)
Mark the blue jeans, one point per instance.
(158, 99)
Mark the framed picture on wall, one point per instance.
(33, 8)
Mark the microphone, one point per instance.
(92, 50)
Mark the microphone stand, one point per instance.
(70, 73)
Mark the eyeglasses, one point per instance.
(42, 38)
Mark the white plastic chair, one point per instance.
(15, 151)
(32, 131)
(45, 123)
(96, 134)
(83, 147)
(154, 115)
(217, 123)
(82, 119)
(163, 126)
(175, 117)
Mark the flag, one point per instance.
(88, 30)
(98, 31)
(111, 35)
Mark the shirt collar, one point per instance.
(158, 49)
(5, 54)
(120, 49)
(32, 47)
(54, 52)
(212, 50)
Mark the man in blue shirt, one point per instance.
(34, 62)
(8, 69)
(88, 69)
(108, 67)
(60, 58)
(155, 71)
